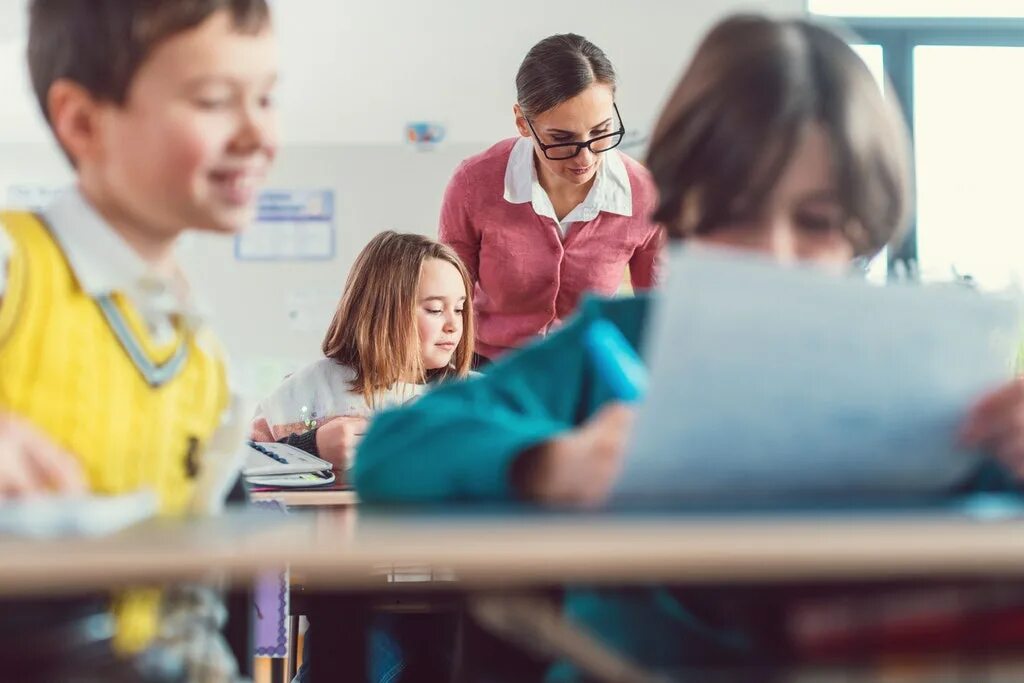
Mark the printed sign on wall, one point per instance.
(290, 225)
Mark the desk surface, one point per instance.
(490, 549)
(327, 496)
(493, 550)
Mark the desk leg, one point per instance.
(278, 670)
(293, 644)
(238, 631)
(338, 636)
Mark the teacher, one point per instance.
(541, 218)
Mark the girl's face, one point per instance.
(578, 119)
(802, 219)
(440, 298)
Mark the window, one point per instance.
(970, 151)
(918, 8)
(954, 64)
(872, 56)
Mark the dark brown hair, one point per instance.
(736, 117)
(374, 328)
(100, 44)
(557, 69)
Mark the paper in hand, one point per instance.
(70, 516)
(787, 383)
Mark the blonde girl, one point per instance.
(405, 320)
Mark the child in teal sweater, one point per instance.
(777, 140)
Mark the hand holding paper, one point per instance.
(579, 467)
(782, 383)
(996, 423)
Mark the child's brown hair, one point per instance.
(736, 116)
(374, 328)
(100, 44)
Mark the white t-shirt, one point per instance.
(322, 390)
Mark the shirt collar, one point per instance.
(103, 263)
(611, 192)
(520, 173)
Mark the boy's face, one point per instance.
(195, 136)
(802, 219)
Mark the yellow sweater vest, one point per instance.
(86, 372)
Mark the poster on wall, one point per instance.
(290, 225)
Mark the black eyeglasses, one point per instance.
(567, 150)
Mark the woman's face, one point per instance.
(585, 116)
(802, 219)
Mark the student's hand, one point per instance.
(336, 439)
(996, 423)
(30, 464)
(579, 467)
(260, 430)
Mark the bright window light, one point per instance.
(967, 119)
(918, 8)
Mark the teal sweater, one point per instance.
(458, 443)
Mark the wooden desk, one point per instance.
(526, 550)
(345, 555)
(489, 549)
(335, 495)
(237, 545)
(499, 549)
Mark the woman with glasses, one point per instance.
(544, 217)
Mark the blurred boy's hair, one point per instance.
(734, 120)
(100, 44)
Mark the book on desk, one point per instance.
(278, 465)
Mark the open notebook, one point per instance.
(278, 464)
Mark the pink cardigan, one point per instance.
(526, 279)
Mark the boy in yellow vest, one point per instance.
(164, 110)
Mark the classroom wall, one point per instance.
(352, 75)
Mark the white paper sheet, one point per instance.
(775, 383)
(60, 516)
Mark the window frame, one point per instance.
(898, 36)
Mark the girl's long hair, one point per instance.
(374, 327)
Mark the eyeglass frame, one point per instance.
(621, 132)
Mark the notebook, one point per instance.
(278, 459)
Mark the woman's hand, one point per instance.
(336, 439)
(579, 467)
(996, 424)
(30, 464)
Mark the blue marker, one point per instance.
(616, 361)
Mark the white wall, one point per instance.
(455, 60)
(352, 75)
